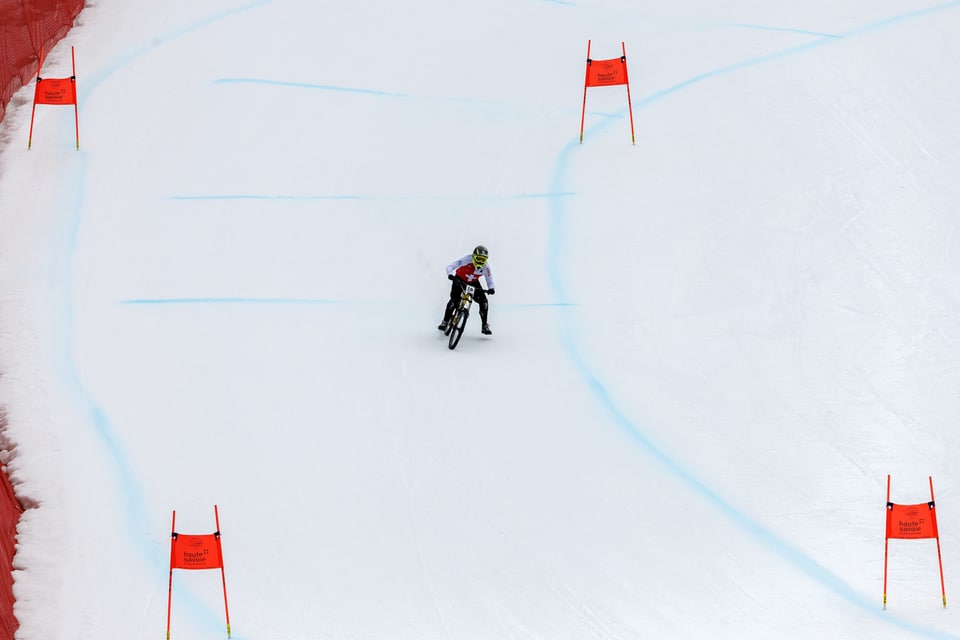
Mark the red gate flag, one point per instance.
(607, 73)
(604, 73)
(56, 91)
(196, 552)
(912, 522)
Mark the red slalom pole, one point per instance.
(76, 111)
(886, 547)
(173, 534)
(633, 138)
(943, 590)
(586, 79)
(33, 112)
(223, 575)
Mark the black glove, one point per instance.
(450, 276)
(491, 291)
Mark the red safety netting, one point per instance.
(26, 26)
(10, 510)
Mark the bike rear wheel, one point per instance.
(457, 329)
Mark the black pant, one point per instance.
(479, 296)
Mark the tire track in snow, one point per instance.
(557, 233)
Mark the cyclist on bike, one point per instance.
(467, 270)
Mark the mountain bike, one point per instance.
(459, 318)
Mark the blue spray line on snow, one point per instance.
(138, 519)
(569, 338)
(92, 81)
(359, 198)
(821, 41)
(62, 265)
(308, 85)
(296, 301)
(760, 27)
(248, 301)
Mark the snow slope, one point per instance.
(710, 348)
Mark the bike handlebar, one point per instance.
(463, 284)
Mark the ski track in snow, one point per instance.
(569, 339)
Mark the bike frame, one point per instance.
(466, 298)
(466, 302)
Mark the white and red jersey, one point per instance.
(464, 269)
